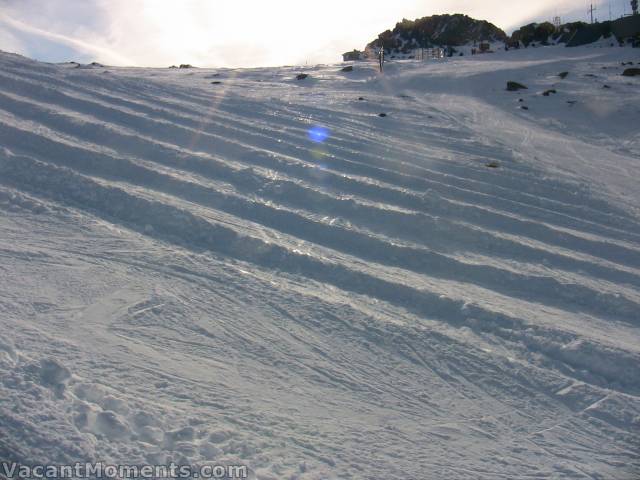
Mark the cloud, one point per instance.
(10, 43)
(239, 32)
(105, 53)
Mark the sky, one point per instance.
(240, 33)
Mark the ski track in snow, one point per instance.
(187, 277)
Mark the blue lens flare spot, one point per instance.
(318, 134)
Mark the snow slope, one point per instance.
(186, 276)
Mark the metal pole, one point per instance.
(591, 9)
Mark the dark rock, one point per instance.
(524, 107)
(216, 82)
(521, 100)
(546, 93)
(563, 75)
(361, 98)
(631, 72)
(515, 86)
(185, 65)
(492, 164)
(348, 68)
(301, 76)
(382, 114)
(606, 86)
(572, 102)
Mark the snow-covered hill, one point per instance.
(234, 266)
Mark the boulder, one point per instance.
(631, 72)
(348, 68)
(515, 86)
(546, 93)
(563, 75)
(301, 76)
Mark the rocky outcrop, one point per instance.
(532, 33)
(437, 31)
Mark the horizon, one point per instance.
(155, 33)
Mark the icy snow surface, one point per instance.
(190, 273)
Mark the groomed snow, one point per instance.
(188, 275)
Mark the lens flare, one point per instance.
(318, 134)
